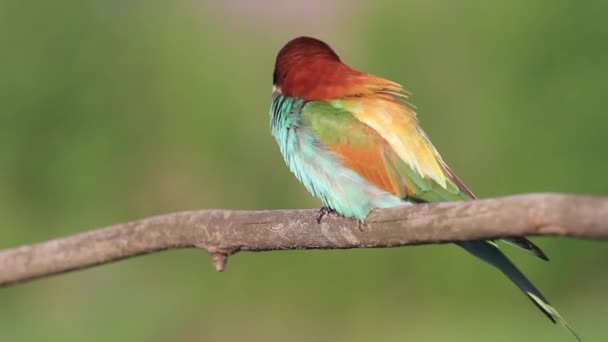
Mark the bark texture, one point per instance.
(224, 232)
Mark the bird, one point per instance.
(354, 141)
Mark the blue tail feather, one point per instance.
(489, 252)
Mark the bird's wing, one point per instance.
(378, 136)
(361, 148)
(356, 145)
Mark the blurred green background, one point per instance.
(116, 110)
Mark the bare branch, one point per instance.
(224, 232)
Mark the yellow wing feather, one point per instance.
(386, 111)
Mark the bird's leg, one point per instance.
(324, 211)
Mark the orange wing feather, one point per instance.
(369, 162)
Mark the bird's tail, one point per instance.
(489, 252)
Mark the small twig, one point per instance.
(219, 261)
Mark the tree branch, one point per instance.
(224, 232)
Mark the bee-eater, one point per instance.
(354, 142)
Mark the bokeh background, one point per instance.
(116, 110)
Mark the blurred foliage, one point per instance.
(116, 110)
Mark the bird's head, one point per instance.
(308, 68)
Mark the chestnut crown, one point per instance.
(299, 52)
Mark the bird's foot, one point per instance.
(324, 211)
(361, 224)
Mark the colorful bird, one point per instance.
(354, 142)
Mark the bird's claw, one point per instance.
(361, 224)
(324, 211)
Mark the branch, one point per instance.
(224, 232)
